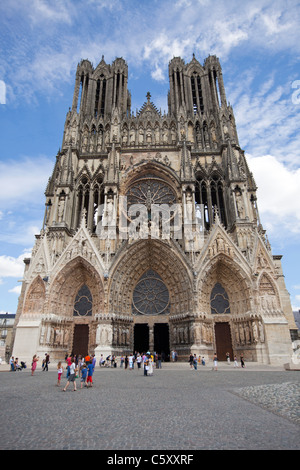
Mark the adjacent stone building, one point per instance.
(151, 238)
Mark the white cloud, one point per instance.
(158, 74)
(266, 116)
(278, 195)
(11, 266)
(30, 176)
(49, 38)
(50, 11)
(16, 290)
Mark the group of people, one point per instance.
(77, 367)
(235, 361)
(14, 364)
(194, 361)
(143, 361)
(83, 366)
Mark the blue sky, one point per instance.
(41, 43)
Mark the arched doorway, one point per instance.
(219, 305)
(76, 294)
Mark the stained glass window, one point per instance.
(83, 303)
(150, 296)
(219, 301)
(150, 191)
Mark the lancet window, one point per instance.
(100, 96)
(198, 105)
(209, 193)
(90, 201)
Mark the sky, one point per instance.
(41, 43)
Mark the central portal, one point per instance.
(161, 344)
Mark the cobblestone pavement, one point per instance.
(255, 408)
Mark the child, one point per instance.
(84, 372)
(89, 381)
(60, 370)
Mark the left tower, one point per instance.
(63, 291)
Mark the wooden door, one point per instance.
(223, 340)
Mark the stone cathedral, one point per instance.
(151, 238)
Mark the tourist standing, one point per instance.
(191, 360)
(150, 362)
(146, 367)
(72, 376)
(89, 380)
(60, 370)
(228, 358)
(195, 362)
(69, 362)
(173, 355)
(139, 360)
(235, 363)
(159, 361)
(47, 361)
(131, 361)
(34, 363)
(84, 373)
(242, 361)
(215, 362)
(12, 363)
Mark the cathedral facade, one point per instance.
(151, 238)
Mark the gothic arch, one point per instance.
(235, 282)
(66, 285)
(35, 297)
(268, 292)
(135, 261)
(156, 170)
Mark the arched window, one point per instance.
(209, 194)
(198, 105)
(217, 199)
(83, 196)
(202, 199)
(219, 301)
(98, 204)
(83, 305)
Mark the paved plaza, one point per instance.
(255, 408)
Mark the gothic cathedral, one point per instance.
(151, 238)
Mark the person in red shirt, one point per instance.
(69, 362)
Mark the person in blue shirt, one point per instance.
(90, 368)
(84, 373)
